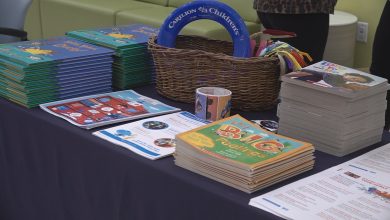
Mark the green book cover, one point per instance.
(48, 51)
(237, 140)
(117, 37)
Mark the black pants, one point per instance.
(311, 29)
(381, 46)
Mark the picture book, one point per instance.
(45, 51)
(71, 76)
(241, 143)
(98, 110)
(116, 37)
(133, 64)
(337, 79)
(153, 137)
(53, 70)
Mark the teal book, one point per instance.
(50, 51)
(117, 37)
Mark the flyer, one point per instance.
(108, 108)
(358, 189)
(154, 137)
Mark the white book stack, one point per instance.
(338, 109)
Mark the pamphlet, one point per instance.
(358, 189)
(103, 109)
(152, 138)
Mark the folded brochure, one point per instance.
(154, 137)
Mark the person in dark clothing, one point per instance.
(381, 46)
(308, 19)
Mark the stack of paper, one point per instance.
(357, 189)
(240, 154)
(133, 64)
(338, 109)
(35, 72)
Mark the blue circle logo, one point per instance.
(212, 10)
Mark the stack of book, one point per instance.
(338, 109)
(35, 72)
(133, 64)
(241, 154)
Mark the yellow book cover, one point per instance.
(239, 141)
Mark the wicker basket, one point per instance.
(198, 62)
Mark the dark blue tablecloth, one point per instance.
(50, 169)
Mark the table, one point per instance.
(51, 169)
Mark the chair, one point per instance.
(12, 16)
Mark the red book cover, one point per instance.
(88, 111)
(125, 106)
(101, 104)
(72, 114)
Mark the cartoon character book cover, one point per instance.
(118, 36)
(48, 50)
(239, 140)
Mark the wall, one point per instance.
(367, 11)
(32, 23)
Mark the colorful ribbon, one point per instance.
(293, 59)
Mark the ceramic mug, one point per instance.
(212, 103)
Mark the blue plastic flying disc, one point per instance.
(206, 9)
